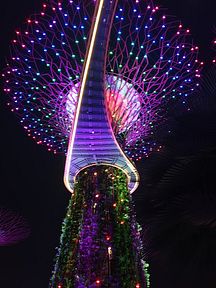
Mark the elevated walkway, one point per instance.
(92, 141)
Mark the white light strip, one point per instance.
(85, 74)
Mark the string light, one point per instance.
(140, 84)
(85, 226)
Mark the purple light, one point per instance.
(148, 52)
(13, 228)
(117, 103)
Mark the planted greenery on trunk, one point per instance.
(100, 244)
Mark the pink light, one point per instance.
(119, 94)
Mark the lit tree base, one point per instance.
(100, 244)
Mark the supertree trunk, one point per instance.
(100, 244)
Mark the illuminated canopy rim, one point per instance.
(149, 50)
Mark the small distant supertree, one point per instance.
(13, 228)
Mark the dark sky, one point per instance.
(31, 177)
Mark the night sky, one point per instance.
(183, 249)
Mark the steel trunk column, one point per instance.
(92, 141)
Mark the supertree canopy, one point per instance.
(13, 228)
(151, 62)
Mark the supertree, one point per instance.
(13, 228)
(98, 72)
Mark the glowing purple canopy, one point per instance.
(151, 62)
(13, 228)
